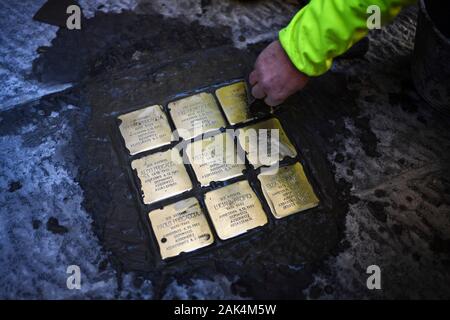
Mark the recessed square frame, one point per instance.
(250, 174)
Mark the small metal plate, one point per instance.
(145, 129)
(258, 138)
(215, 158)
(288, 190)
(162, 175)
(233, 99)
(180, 227)
(234, 209)
(196, 115)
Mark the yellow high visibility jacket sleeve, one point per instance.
(324, 29)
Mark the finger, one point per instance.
(270, 101)
(258, 92)
(253, 78)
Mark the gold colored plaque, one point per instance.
(215, 158)
(234, 209)
(162, 175)
(180, 227)
(233, 99)
(266, 143)
(145, 129)
(195, 115)
(288, 191)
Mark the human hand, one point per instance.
(274, 77)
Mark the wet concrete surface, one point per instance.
(261, 263)
(378, 153)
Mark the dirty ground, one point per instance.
(378, 152)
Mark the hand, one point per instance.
(275, 78)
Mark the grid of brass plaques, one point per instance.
(223, 201)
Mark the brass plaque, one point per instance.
(266, 143)
(215, 158)
(162, 175)
(180, 227)
(288, 191)
(195, 115)
(145, 129)
(234, 209)
(233, 99)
